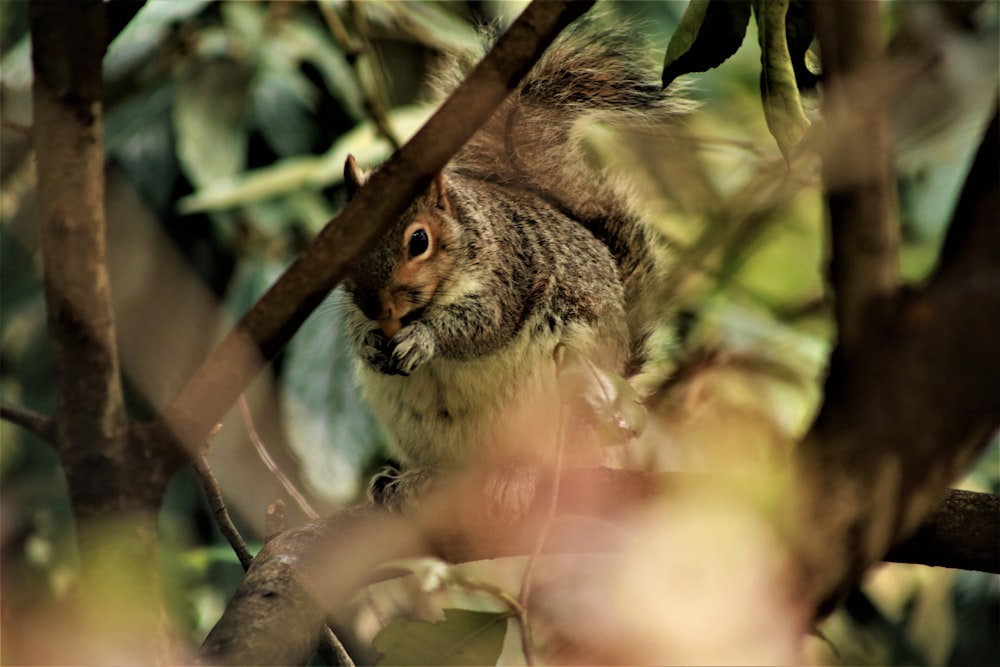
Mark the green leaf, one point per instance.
(463, 638)
(145, 33)
(282, 98)
(432, 24)
(209, 119)
(709, 32)
(800, 31)
(294, 173)
(783, 110)
(298, 41)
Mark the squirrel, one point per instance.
(517, 249)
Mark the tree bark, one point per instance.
(116, 476)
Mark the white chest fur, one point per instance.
(449, 413)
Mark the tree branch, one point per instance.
(213, 495)
(278, 614)
(910, 400)
(269, 324)
(305, 576)
(116, 472)
(40, 424)
(67, 47)
(857, 167)
(963, 532)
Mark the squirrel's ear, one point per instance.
(439, 195)
(354, 178)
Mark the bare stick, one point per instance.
(527, 643)
(40, 424)
(332, 650)
(218, 506)
(258, 444)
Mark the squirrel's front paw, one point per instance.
(411, 348)
(375, 350)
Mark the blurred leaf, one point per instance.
(137, 134)
(328, 426)
(709, 32)
(432, 24)
(614, 403)
(299, 41)
(800, 31)
(310, 208)
(200, 559)
(281, 99)
(779, 92)
(246, 22)
(294, 173)
(15, 68)
(209, 121)
(463, 638)
(20, 282)
(145, 33)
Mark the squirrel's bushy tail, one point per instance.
(591, 73)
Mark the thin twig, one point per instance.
(40, 424)
(16, 127)
(332, 650)
(218, 506)
(258, 444)
(527, 644)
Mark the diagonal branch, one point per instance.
(908, 406)
(271, 322)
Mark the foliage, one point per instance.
(226, 128)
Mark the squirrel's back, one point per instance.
(591, 73)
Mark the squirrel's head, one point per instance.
(400, 277)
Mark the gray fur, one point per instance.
(537, 251)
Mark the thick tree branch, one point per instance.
(265, 329)
(963, 532)
(910, 399)
(857, 167)
(116, 473)
(306, 575)
(279, 612)
(67, 48)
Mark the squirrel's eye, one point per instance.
(418, 243)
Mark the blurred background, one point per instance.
(226, 128)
